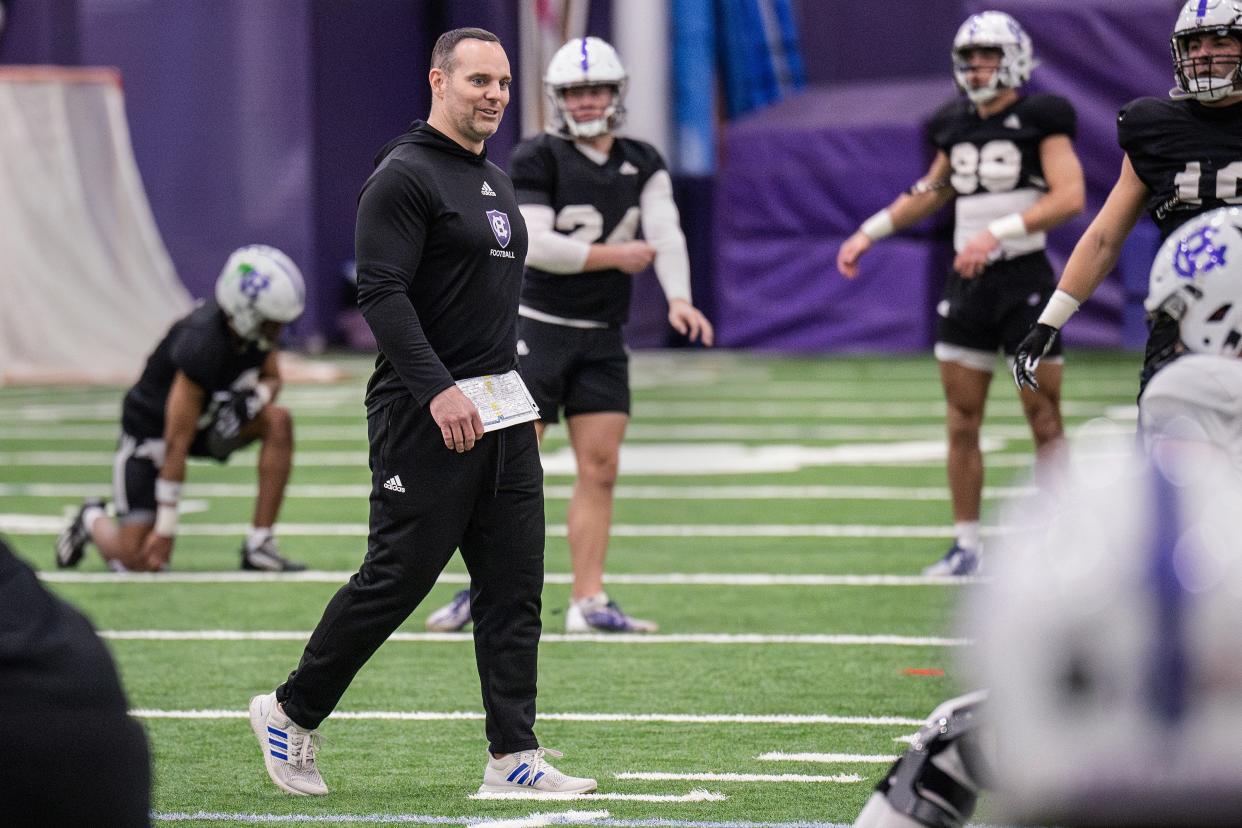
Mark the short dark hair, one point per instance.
(442, 54)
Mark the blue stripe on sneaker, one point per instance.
(280, 755)
(282, 734)
(522, 779)
(277, 743)
(516, 771)
(538, 776)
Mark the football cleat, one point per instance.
(71, 543)
(601, 614)
(266, 558)
(529, 772)
(957, 561)
(453, 616)
(288, 750)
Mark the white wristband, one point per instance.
(166, 520)
(1008, 227)
(264, 392)
(1061, 306)
(167, 492)
(878, 226)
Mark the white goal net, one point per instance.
(86, 284)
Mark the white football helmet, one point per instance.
(585, 61)
(1108, 639)
(1197, 279)
(993, 30)
(259, 284)
(1195, 78)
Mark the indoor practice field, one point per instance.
(772, 515)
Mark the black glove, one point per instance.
(1026, 359)
(236, 412)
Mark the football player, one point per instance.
(1008, 160)
(1183, 157)
(206, 391)
(1191, 422)
(1196, 282)
(586, 195)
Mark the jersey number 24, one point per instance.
(586, 223)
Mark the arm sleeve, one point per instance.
(662, 230)
(549, 250)
(392, 227)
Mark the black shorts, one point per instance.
(580, 370)
(997, 308)
(138, 462)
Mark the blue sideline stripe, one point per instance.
(516, 771)
(280, 755)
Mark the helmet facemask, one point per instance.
(1206, 77)
(611, 118)
(962, 64)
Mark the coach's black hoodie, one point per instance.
(440, 247)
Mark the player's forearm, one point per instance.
(1054, 209)
(911, 208)
(1093, 258)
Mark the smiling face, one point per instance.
(470, 93)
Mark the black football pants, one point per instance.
(426, 502)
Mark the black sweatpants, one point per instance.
(70, 754)
(489, 503)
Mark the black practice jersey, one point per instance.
(1189, 156)
(592, 203)
(204, 348)
(440, 247)
(996, 169)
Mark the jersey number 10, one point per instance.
(1227, 177)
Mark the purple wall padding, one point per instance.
(801, 304)
(799, 177)
(795, 181)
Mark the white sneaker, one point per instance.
(600, 614)
(288, 750)
(528, 772)
(453, 616)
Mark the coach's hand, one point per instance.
(1026, 359)
(458, 418)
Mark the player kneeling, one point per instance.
(206, 391)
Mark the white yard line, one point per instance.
(813, 639)
(540, 820)
(693, 796)
(27, 524)
(712, 579)
(827, 758)
(360, 492)
(840, 778)
(597, 718)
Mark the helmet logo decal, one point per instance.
(1202, 8)
(500, 226)
(1197, 254)
(586, 63)
(253, 283)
